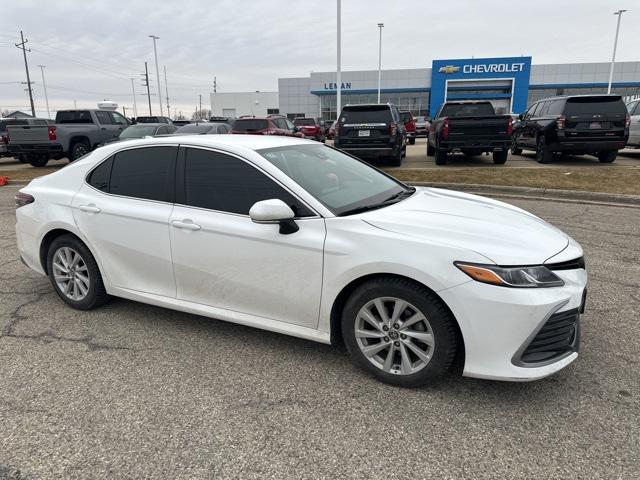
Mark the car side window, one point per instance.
(544, 109)
(119, 119)
(217, 181)
(290, 125)
(104, 118)
(637, 109)
(146, 173)
(555, 107)
(162, 131)
(99, 177)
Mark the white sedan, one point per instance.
(296, 237)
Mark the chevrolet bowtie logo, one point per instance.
(449, 69)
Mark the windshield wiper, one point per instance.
(395, 198)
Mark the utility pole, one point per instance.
(155, 53)
(135, 106)
(200, 106)
(22, 47)
(339, 67)
(75, 105)
(215, 84)
(146, 84)
(44, 86)
(380, 25)
(166, 89)
(124, 111)
(615, 46)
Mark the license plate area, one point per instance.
(595, 125)
(364, 133)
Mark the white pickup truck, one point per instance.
(74, 134)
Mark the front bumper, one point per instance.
(498, 324)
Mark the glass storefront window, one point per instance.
(416, 102)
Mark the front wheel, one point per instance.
(515, 149)
(607, 157)
(543, 154)
(431, 151)
(441, 156)
(400, 332)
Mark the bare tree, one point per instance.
(203, 114)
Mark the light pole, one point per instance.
(338, 66)
(155, 53)
(380, 26)
(44, 86)
(135, 105)
(615, 45)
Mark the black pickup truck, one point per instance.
(470, 127)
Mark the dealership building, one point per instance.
(511, 84)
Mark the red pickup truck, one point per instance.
(409, 125)
(311, 127)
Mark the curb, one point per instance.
(538, 193)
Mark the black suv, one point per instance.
(583, 124)
(372, 131)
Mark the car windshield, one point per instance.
(138, 131)
(249, 125)
(304, 121)
(369, 114)
(467, 110)
(342, 183)
(195, 128)
(594, 105)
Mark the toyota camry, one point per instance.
(296, 237)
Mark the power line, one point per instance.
(22, 47)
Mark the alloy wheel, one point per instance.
(394, 335)
(71, 273)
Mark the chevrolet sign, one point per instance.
(449, 69)
(492, 68)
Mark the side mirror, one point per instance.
(521, 116)
(296, 129)
(274, 211)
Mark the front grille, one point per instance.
(558, 336)
(575, 264)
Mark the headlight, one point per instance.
(536, 276)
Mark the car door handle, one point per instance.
(91, 208)
(185, 225)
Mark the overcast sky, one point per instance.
(91, 48)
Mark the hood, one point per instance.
(505, 234)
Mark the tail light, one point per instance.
(510, 126)
(23, 199)
(52, 133)
(561, 122)
(392, 130)
(445, 128)
(627, 121)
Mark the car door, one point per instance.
(223, 259)
(108, 130)
(528, 136)
(123, 211)
(634, 126)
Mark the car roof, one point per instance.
(586, 95)
(251, 142)
(150, 124)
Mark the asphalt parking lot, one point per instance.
(135, 391)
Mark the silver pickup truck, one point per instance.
(74, 134)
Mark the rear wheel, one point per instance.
(515, 149)
(543, 154)
(412, 141)
(79, 149)
(396, 159)
(74, 274)
(37, 161)
(431, 151)
(399, 332)
(607, 157)
(500, 157)
(441, 156)
(22, 158)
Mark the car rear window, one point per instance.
(148, 120)
(594, 105)
(304, 121)
(77, 116)
(250, 125)
(467, 110)
(194, 128)
(381, 114)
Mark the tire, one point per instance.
(515, 149)
(396, 160)
(79, 149)
(435, 336)
(500, 158)
(412, 141)
(441, 156)
(38, 161)
(543, 154)
(431, 151)
(85, 275)
(608, 156)
(22, 158)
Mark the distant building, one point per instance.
(17, 114)
(236, 104)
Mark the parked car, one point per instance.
(331, 133)
(181, 123)
(372, 131)
(634, 124)
(209, 128)
(322, 247)
(422, 126)
(74, 134)
(470, 127)
(228, 120)
(141, 130)
(310, 127)
(154, 119)
(409, 126)
(4, 133)
(270, 125)
(578, 125)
